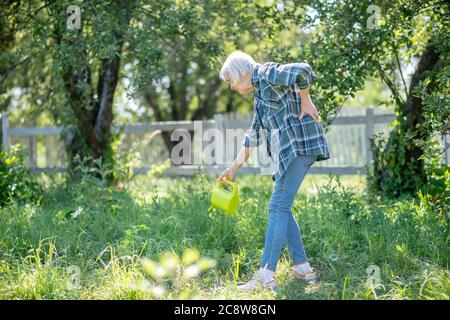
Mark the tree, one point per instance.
(176, 40)
(193, 41)
(354, 40)
(77, 45)
(92, 50)
(83, 64)
(185, 87)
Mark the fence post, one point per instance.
(369, 133)
(32, 151)
(48, 151)
(5, 132)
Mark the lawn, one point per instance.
(105, 232)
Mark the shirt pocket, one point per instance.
(274, 97)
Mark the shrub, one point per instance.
(16, 181)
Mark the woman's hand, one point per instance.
(307, 105)
(229, 174)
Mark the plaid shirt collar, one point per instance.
(255, 75)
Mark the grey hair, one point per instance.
(236, 65)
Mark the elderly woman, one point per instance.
(282, 104)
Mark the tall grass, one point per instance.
(106, 233)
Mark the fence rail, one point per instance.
(348, 140)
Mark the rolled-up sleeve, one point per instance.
(253, 137)
(288, 74)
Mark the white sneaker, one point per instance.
(305, 272)
(262, 277)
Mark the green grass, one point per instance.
(105, 232)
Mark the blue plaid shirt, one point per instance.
(277, 111)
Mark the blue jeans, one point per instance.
(282, 227)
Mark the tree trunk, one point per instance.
(400, 158)
(413, 109)
(94, 117)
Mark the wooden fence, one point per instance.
(348, 141)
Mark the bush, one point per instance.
(438, 187)
(16, 181)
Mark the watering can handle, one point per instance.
(232, 184)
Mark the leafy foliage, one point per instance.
(352, 43)
(17, 184)
(172, 277)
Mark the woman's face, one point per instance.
(243, 86)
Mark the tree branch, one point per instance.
(151, 101)
(9, 70)
(397, 97)
(108, 87)
(401, 72)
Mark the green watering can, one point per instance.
(225, 198)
